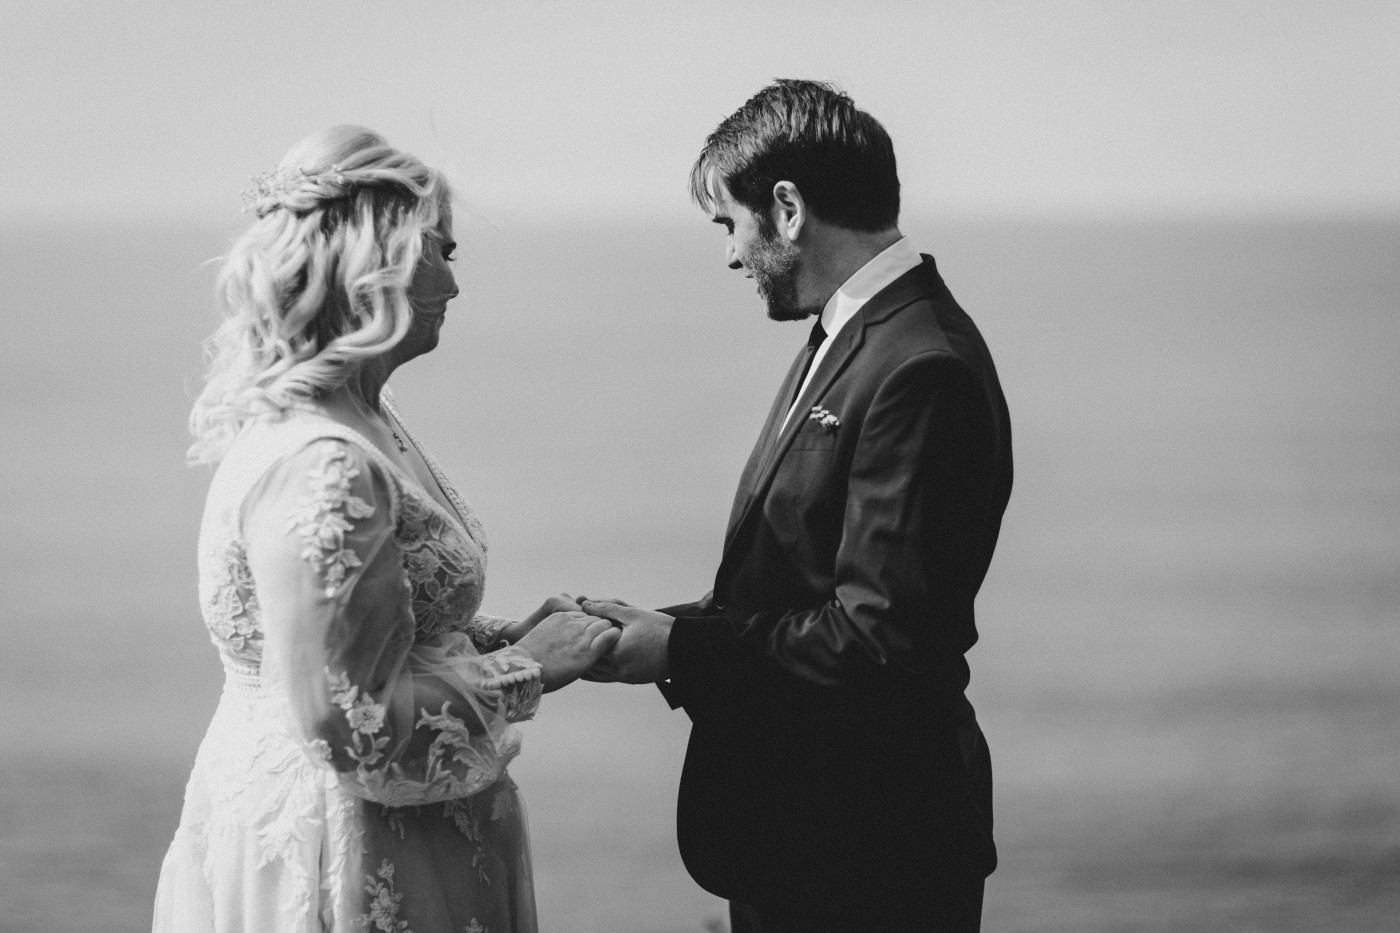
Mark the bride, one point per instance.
(354, 775)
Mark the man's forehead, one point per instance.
(721, 203)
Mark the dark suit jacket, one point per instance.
(824, 674)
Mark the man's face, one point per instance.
(753, 243)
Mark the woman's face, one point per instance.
(432, 287)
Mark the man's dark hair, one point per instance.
(813, 135)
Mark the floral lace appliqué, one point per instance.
(461, 813)
(230, 602)
(443, 566)
(458, 763)
(384, 903)
(366, 718)
(519, 678)
(324, 515)
(485, 631)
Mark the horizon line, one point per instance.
(476, 216)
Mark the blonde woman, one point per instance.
(353, 777)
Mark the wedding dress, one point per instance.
(353, 777)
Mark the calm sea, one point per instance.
(1188, 666)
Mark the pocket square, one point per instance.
(828, 422)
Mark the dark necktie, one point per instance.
(813, 342)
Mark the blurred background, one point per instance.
(1177, 225)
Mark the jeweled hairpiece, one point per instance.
(281, 182)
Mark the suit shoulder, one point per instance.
(931, 323)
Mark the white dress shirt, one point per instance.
(896, 259)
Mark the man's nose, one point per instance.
(731, 257)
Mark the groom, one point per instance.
(836, 777)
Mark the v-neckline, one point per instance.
(452, 511)
(454, 500)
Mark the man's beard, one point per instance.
(774, 265)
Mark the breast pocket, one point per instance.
(813, 438)
(796, 498)
(805, 463)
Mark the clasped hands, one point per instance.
(602, 640)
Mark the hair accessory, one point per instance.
(281, 182)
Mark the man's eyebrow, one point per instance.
(721, 219)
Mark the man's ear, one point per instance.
(789, 211)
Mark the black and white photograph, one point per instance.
(730, 467)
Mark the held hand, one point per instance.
(612, 599)
(639, 656)
(518, 630)
(568, 643)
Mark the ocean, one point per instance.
(1187, 670)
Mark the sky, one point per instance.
(594, 111)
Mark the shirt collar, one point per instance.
(895, 260)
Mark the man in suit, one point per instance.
(836, 777)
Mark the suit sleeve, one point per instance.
(702, 608)
(906, 569)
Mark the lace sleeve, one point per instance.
(485, 630)
(517, 676)
(510, 669)
(402, 723)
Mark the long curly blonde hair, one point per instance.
(318, 286)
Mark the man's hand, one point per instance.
(566, 644)
(639, 657)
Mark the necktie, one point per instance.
(813, 342)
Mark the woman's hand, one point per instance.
(517, 630)
(568, 643)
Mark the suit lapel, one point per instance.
(847, 342)
(843, 347)
(760, 454)
(763, 463)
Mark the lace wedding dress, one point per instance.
(353, 777)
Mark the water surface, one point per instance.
(1189, 632)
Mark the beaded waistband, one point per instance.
(243, 678)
